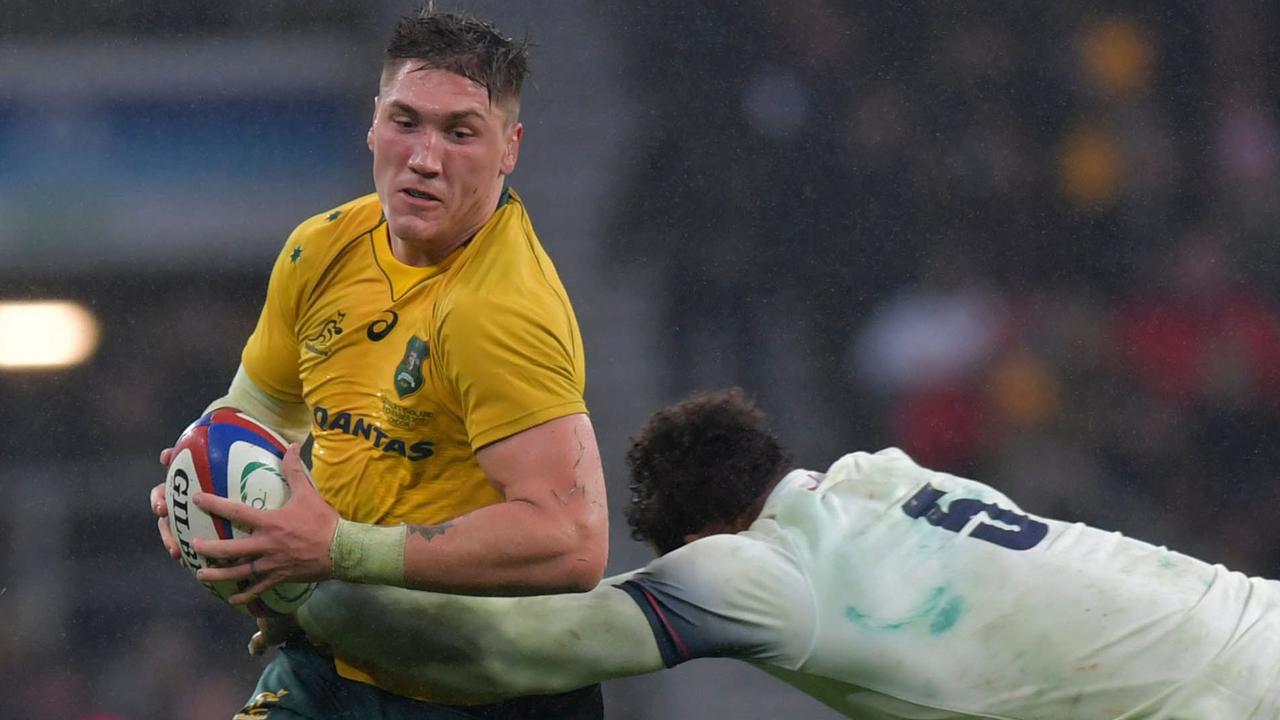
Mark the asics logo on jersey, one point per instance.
(408, 377)
(369, 430)
(318, 343)
(382, 327)
(1011, 530)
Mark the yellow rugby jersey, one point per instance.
(408, 370)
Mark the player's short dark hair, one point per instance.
(463, 45)
(705, 460)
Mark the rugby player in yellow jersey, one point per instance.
(423, 339)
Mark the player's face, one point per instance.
(440, 152)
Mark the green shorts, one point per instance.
(302, 684)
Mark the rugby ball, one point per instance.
(229, 454)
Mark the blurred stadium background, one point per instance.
(1035, 246)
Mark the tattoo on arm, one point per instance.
(430, 531)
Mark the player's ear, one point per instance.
(512, 153)
(368, 138)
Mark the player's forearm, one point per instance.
(477, 649)
(549, 535)
(511, 548)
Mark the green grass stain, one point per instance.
(945, 618)
(926, 608)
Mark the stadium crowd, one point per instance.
(1033, 247)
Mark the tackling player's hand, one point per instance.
(289, 544)
(274, 631)
(161, 510)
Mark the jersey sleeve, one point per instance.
(290, 419)
(469, 649)
(727, 596)
(270, 357)
(516, 362)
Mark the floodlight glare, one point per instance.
(45, 334)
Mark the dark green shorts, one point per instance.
(302, 684)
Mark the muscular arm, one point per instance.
(550, 534)
(482, 649)
(509, 356)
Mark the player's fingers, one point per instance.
(245, 547)
(158, 504)
(295, 472)
(243, 571)
(257, 644)
(166, 455)
(246, 596)
(276, 630)
(236, 512)
(166, 537)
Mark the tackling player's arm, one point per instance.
(482, 649)
(722, 596)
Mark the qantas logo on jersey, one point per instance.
(408, 376)
(376, 436)
(318, 343)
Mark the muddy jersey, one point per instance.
(887, 590)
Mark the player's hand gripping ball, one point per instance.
(229, 454)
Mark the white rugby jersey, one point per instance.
(887, 590)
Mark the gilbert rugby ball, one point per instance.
(229, 454)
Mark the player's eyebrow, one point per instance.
(461, 115)
(450, 119)
(406, 108)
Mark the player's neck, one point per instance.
(425, 253)
(739, 523)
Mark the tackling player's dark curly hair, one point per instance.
(702, 461)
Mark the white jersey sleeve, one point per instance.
(291, 419)
(727, 596)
